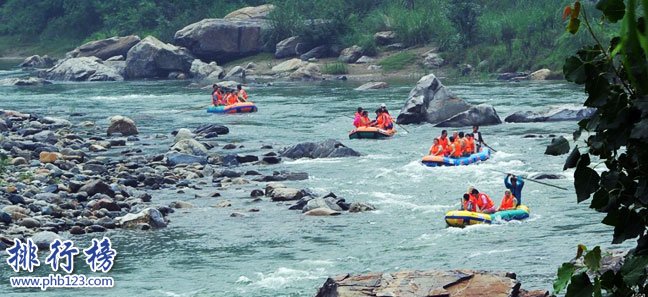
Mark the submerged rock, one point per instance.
(554, 115)
(559, 146)
(372, 86)
(481, 115)
(330, 148)
(82, 69)
(21, 82)
(422, 283)
(150, 216)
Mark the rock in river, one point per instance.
(330, 148)
(481, 115)
(430, 101)
(559, 146)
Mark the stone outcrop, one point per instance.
(385, 37)
(465, 283)
(123, 125)
(559, 146)
(151, 58)
(430, 101)
(37, 61)
(330, 148)
(105, 48)
(350, 54)
(222, 40)
(372, 86)
(480, 115)
(201, 70)
(82, 69)
(251, 12)
(554, 115)
(287, 47)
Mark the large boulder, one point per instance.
(123, 125)
(317, 52)
(559, 146)
(206, 129)
(423, 283)
(310, 71)
(237, 73)
(82, 69)
(190, 146)
(153, 58)
(350, 54)
(480, 115)
(542, 74)
(105, 48)
(554, 115)
(149, 216)
(385, 37)
(430, 101)
(330, 148)
(286, 47)
(201, 70)
(432, 60)
(174, 159)
(37, 61)
(288, 66)
(372, 86)
(222, 40)
(97, 186)
(250, 12)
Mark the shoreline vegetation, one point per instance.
(404, 39)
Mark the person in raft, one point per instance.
(230, 98)
(508, 201)
(469, 203)
(383, 108)
(484, 202)
(365, 121)
(383, 120)
(436, 149)
(217, 95)
(357, 117)
(479, 141)
(241, 94)
(515, 184)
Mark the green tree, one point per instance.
(464, 14)
(616, 81)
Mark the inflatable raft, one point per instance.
(434, 161)
(371, 132)
(461, 218)
(241, 107)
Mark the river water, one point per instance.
(279, 252)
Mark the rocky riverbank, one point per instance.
(64, 178)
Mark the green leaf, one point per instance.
(580, 286)
(580, 250)
(586, 182)
(600, 200)
(572, 160)
(574, 70)
(634, 269)
(642, 191)
(577, 135)
(565, 273)
(593, 259)
(598, 90)
(584, 160)
(597, 287)
(612, 9)
(608, 279)
(626, 226)
(640, 130)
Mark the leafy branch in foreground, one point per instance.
(616, 81)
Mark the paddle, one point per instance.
(488, 146)
(191, 108)
(533, 180)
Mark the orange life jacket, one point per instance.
(470, 204)
(470, 145)
(383, 121)
(484, 201)
(243, 94)
(443, 142)
(436, 150)
(507, 202)
(365, 122)
(230, 99)
(457, 149)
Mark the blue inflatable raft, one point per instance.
(434, 161)
(241, 107)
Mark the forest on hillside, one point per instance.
(510, 35)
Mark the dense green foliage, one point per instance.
(501, 35)
(397, 61)
(335, 68)
(615, 76)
